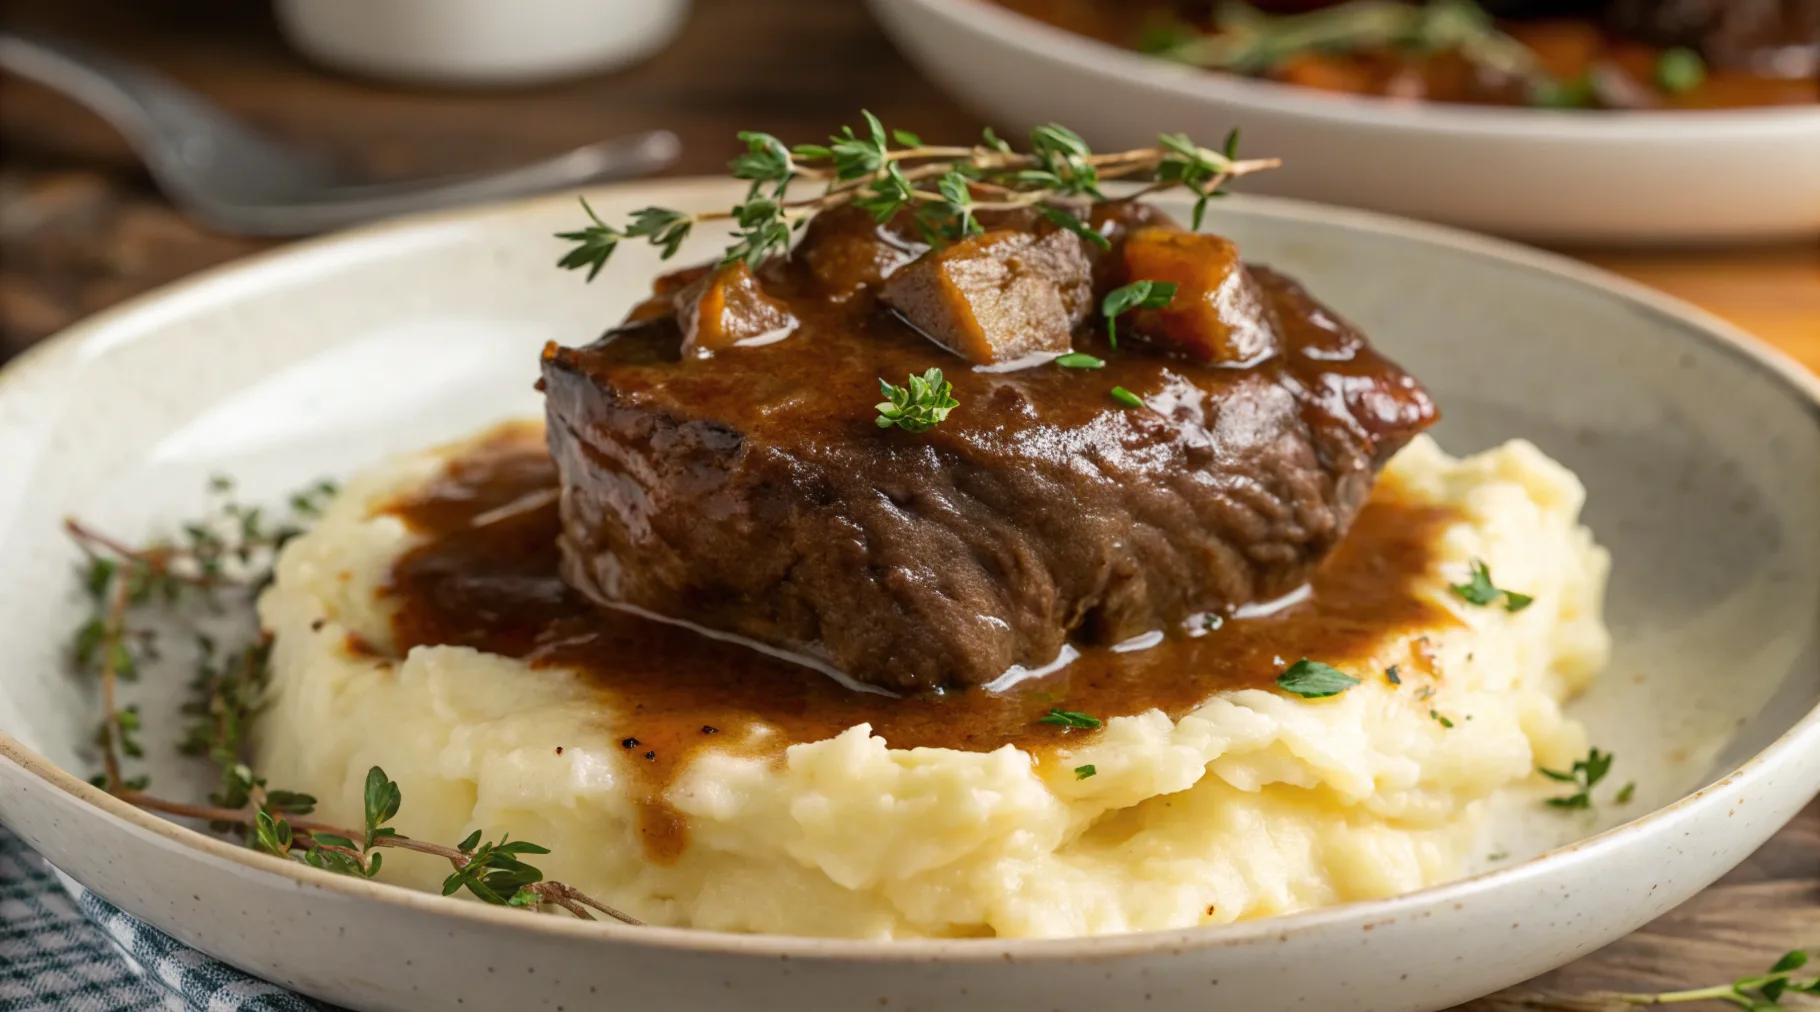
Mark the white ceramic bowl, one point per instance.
(1701, 452)
(1534, 174)
(479, 42)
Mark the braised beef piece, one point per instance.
(1005, 296)
(749, 491)
(728, 308)
(845, 254)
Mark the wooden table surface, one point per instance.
(81, 228)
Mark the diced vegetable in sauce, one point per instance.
(1218, 314)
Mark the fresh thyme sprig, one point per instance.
(1248, 41)
(917, 406)
(492, 872)
(1755, 993)
(233, 550)
(885, 172)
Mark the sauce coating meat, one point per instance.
(487, 576)
(749, 491)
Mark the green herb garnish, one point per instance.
(1136, 295)
(1314, 680)
(919, 405)
(595, 244)
(1440, 718)
(1756, 993)
(1394, 675)
(1070, 718)
(142, 592)
(1625, 793)
(1576, 93)
(1248, 41)
(1680, 70)
(382, 798)
(1585, 774)
(1480, 591)
(1077, 360)
(1127, 398)
(494, 873)
(942, 189)
(1083, 772)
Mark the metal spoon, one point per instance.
(236, 179)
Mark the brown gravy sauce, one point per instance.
(488, 578)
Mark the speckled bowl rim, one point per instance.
(1037, 38)
(1781, 755)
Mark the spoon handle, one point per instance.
(340, 205)
(161, 119)
(236, 179)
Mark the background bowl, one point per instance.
(1700, 450)
(1534, 174)
(479, 42)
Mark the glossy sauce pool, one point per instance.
(487, 577)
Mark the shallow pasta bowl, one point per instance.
(1544, 175)
(1701, 452)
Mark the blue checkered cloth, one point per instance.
(64, 949)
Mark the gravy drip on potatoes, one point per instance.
(487, 577)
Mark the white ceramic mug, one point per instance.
(479, 42)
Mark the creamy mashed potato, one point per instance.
(1254, 803)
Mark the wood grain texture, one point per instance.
(1773, 292)
(81, 228)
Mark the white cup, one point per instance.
(479, 42)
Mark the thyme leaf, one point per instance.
(1136, 295)
(1127, 398)
(1070, 719)
(1314, 680)
(1478, 589)
(1584, 774)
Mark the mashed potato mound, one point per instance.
(1255, 803)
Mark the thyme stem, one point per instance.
(156, 560)
(112, 732)
(560, 893)
(865, 170)
(1112, 166)
(121, 576)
